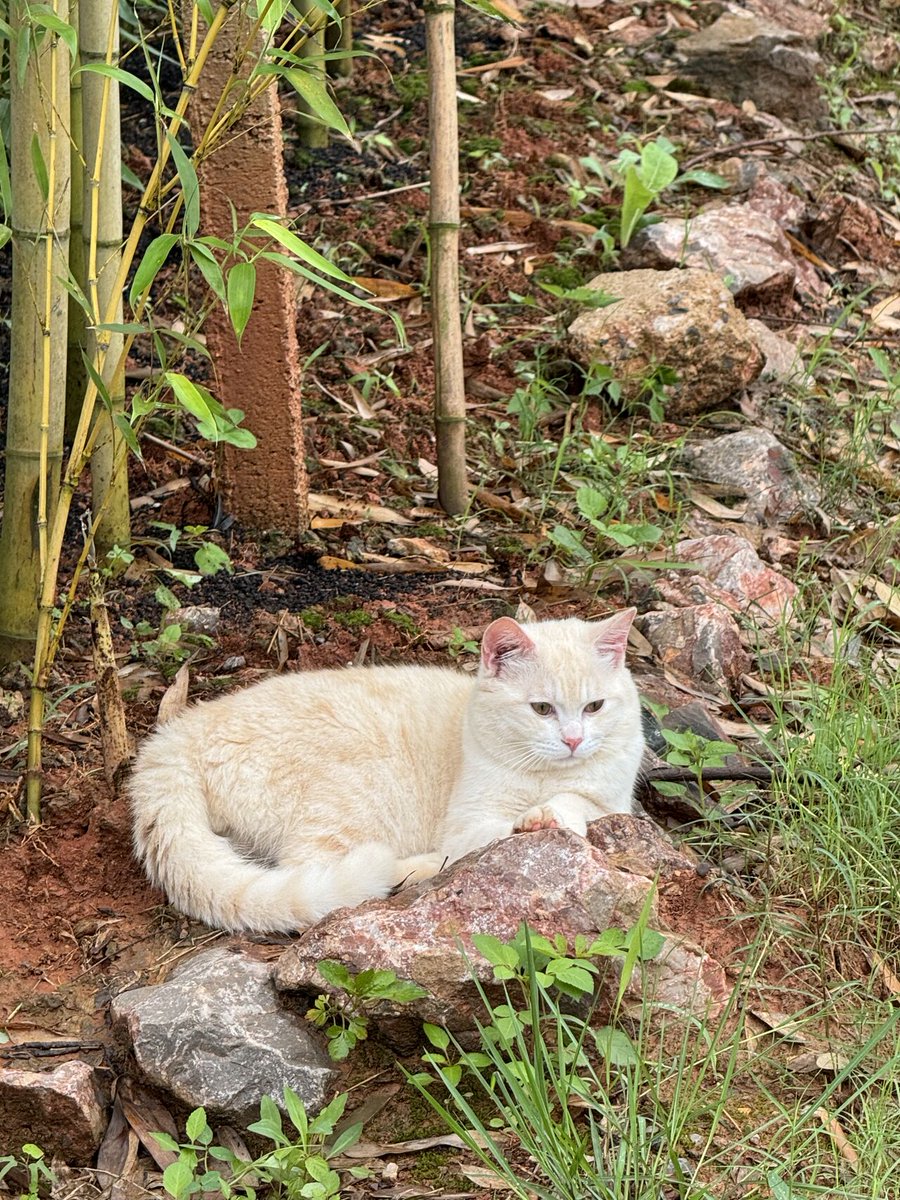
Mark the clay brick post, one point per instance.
(263, 488)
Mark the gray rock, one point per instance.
(700, 643)
(784, 362)
(733, 565)
(12, 706)
(757, 465)
(217, 1034)
(553, 879)
(196, 618)
(740, 244)
(741, 57)
(62, 1111)
(686, 320)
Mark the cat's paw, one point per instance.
(539, 817)
(416, 868)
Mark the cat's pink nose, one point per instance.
(573, 741)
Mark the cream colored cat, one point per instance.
(267, 808)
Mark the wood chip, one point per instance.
(352, 510)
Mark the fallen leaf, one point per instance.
(385, 289)
(147, 1116)
(411, 547)
(353, 510)
(557, 94)
(502, 64)
(329, 563)
(413, 1146)
(838, 1136)
(484, 1177)
(498, 248)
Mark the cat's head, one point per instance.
(556, 691)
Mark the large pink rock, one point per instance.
(733, 565)
(553, 879)
(701, 643)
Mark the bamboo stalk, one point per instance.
(339, 36)
(76, 331)
(84, 434)
(99, 32)
(443, 226)
(313, 132)
(40, 230)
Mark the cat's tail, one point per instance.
(203, 874)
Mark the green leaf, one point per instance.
(658, 167)
(241, 292)
(335, 973)
(39, 167)
(297, 1113)
(496, 952)
(436, 1035)
(209, 268)
(5, 235)
(591, 502)
(190, 186)
(122, 76)
(5, 184)
(154, 257)
(297, 247)
(345, 1139)
(636, 199)
(707, 179)
(616, 1047)
(566, 540)
(211, 559)
(592, 297)
(130, 179)
(178, 1178)
(43, 15)
(312, 90)
(270, 15)
(190, 397)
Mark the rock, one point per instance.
(196, 618)
(62, 1111)
(553, 879)
(757, 465)
(700, 643)
(783, 360)
(686, 320)
(217, 1034)
(745, 57)
(737, 242)
(733, 565)
(12, 706)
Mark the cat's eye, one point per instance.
(594, 706)
(542, 708)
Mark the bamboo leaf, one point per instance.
(39, 167)
(130, 179)
(126, 429)
(191, 398)
(43, 15)
(297, 247)
(154, 257)
(209, 268)
(313, 91)
(190, 186)
(123, 76)
(5, 185)
(241, 291)
(272, 15)
(5, 235)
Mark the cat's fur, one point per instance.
(267, 808)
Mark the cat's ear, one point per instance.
(504, 641)
(611, 636)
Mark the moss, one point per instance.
(358, 618)
(402, 621)
(436, 1169)
(314, 619)
(559, 275)
(411, 88)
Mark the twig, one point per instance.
(407, 187)
(780, 138)
(760, 774)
